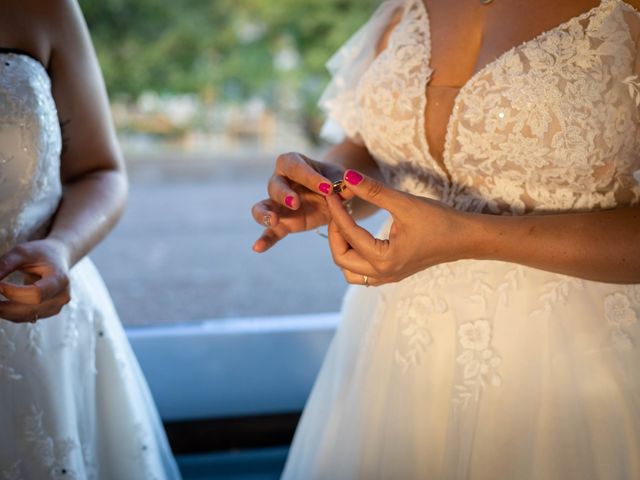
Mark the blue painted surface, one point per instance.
(262, 464)
(233, 367)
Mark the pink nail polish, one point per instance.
(353, 177)
(324, 187)
(288, 201)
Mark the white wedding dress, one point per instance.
(487, 369)
(73, 402)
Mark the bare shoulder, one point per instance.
(25, 26)
(37, 26)
(63, 17)
(384, 39)
(44, 12)
(48, 9)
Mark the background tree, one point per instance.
(229, 50)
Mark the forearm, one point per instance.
(350, 155)
(602, 246)
(90, 207)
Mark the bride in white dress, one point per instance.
(501, 339)
(73, 402)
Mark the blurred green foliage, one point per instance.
(219, 49)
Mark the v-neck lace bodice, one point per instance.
(550, 125)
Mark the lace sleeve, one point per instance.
(346, 67)
(632, 18)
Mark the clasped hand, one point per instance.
(46, 271)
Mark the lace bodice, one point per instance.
(550, 125)
(30, 145)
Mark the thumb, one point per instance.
(373, 191)
(9, 263)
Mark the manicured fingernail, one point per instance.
(353, 177)
(288, 201)
(324, 187)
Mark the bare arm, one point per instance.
(602, 246)
(92, 167)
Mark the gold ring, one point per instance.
(338, 186)
(365, 278)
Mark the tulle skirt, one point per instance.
(478, 370)
(73, 401)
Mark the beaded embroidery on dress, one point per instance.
(73, 402)
(486, 369)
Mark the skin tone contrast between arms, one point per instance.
(92, 169)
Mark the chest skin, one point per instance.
(466, 35)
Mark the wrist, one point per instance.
(480, 235)
(62, 248)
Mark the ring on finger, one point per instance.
(365, 279)
(266, 220)
(35, 318)
(338, 186)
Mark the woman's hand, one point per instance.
(45, 263)
(296, 198)
(424, 233)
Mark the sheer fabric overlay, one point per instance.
(486, 369)
(73, 402)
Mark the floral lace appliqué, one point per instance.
(13, 471)
(478, 360)
(7, 349)
(54, 455)
(555, 292)
(414, 314)
(35, 339)
(509, 284)
(633, 85)
(619, 315)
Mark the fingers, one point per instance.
(49, 286)
(42, 299)
(44, 289)
(375, 192)
(264, 213)
(358, 279)
(10, 262)
(269, 238)
(346, 257)
(296, 168)
(280, 191)
(369, 247)
(21, 313)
